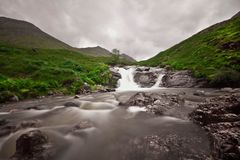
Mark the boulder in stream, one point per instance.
(33, 145)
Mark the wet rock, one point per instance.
(30, 124)
(199, 93)
(78, 129)
(145, 79)
(115, 73)
(33, 145)
(227, 89)
(72, 104)
(34, 107)
(3, 122)
(139, 99)
(106, 90)
(6, 128)
(220, 116)
(115, 77)
(155, 103)
(76, 96)
(85, 89)
(157, 146)
(14, 99)
(141, 69)
(179, 79)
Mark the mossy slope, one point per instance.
(213, 53)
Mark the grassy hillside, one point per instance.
(33, 72)
(33, 63)
(213, 53)
(23, 34)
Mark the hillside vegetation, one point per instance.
(213, 53)
(33, 63)
(33, 72)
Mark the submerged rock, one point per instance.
(6, 128)
(33, 145)
(199, 93)
(74, 103)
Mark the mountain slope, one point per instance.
(213, 53)
(24, 34)
(95, 51)
(127, 57)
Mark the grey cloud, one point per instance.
(140, 28)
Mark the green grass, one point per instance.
(32, 72)
(205, 54)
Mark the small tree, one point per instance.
(115, 56)
(115, 51)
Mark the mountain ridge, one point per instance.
(20, 33)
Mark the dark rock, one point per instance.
(115, 77)
(6, 128)
(33, 145)
(14, 99)
(179, 79)
(3, 122)
(106, 90)
(110, 90)
(85, 89)
(73, 104)
(155, 103)
(115, 73)
(78, 129)
(30, 124)
(199, 93)
(76, 96)
(227, 89)
(145, 79)
(220, 116)
(167, 67)
(159, 147)
(143, 69)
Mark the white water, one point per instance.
(127, 83)
(159, 81)
(127, 80)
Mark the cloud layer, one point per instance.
(140, 28)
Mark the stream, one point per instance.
(108, 126)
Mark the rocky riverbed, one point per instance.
(152, 124)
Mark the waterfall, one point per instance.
(127, 81)
(159, 81)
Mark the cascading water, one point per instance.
(159, 81)
(127, 81)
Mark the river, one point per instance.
(109, 126)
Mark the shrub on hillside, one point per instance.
(226, 78)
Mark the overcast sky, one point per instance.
(140, 28)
